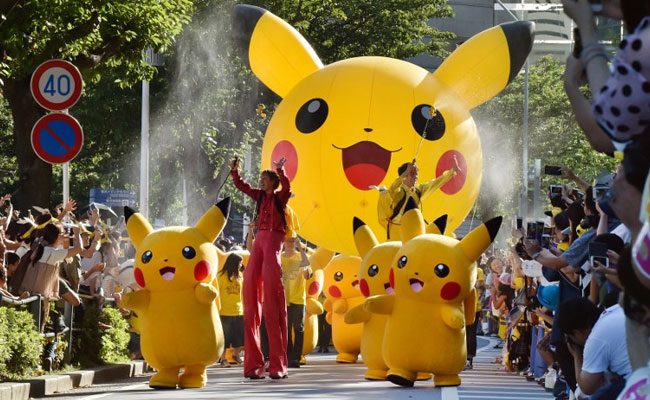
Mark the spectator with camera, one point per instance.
(593, 338)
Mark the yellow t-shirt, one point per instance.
(230, 296)
(294, 281)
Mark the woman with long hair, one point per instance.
(230, 280)
(41, 263)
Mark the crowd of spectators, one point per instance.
(570, 298)
(62, 256)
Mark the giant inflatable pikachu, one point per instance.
(433, 277)
(342, 290)
(374, 280)
(179, 323)
(345, 127)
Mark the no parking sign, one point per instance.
(56, 85)
(57, 138)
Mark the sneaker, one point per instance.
(279, 376)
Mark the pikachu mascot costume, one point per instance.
(314, 287)
(176, 307)
(345, 128)
(342, 291)
(374, 274)
(433, 277)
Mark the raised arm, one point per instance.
(242, 185)
(285, 192)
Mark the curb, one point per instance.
(45, 385)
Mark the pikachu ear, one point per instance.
(136, 225)
(478, 240)
(213, 221)
(276, 53)
(412, 221)
(364, 238)
(484, 65)
(320, 258)
(438, 226)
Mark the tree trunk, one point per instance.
(35, 176)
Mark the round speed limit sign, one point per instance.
(56, 85)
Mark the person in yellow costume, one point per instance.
(393, 200)
(230, 280)
(374, 280)
(342, 291)
(433, 277)
(295, 272)
(318, 259)
(176, 307)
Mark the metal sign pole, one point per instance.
(144, 152)
(66, 183)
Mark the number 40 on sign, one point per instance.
(56, 85)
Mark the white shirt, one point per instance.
(22, 250)
(53, 255)
(623, 232)
(88, 263)
(606, 349)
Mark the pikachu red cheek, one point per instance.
(201, 270)
(445, 163)
(450, 291)
(139, 277)
(314, 288)
(365, 289)
(334, 291)
(285, 149)
(391, 279)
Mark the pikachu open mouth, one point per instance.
(388, 288)
(355, 284)
(365, 163)
(167, 273)
(416, 285)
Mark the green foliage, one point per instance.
(340, 29)
(554, 137)
(95, 35)
(101, 346)
(20, 344)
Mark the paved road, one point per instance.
(322, 378)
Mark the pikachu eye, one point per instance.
(430, 127)
(312, 115)
(441, 270)
(401, 263)
(146, 256)
(338, 276)
(189, 252)
(373, 270)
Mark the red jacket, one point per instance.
(269, 217)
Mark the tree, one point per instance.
(554, 137)
(96, 36)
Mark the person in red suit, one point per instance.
(264, 271)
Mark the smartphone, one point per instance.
(93, 207)
(597, 249)
(531, 230)
(555, 189)
(520, 222)
(539, 231)
(577, 43)
(546, 241)
(602, 260)
(599, 191)
(553, 170)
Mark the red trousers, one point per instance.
(264, 271)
